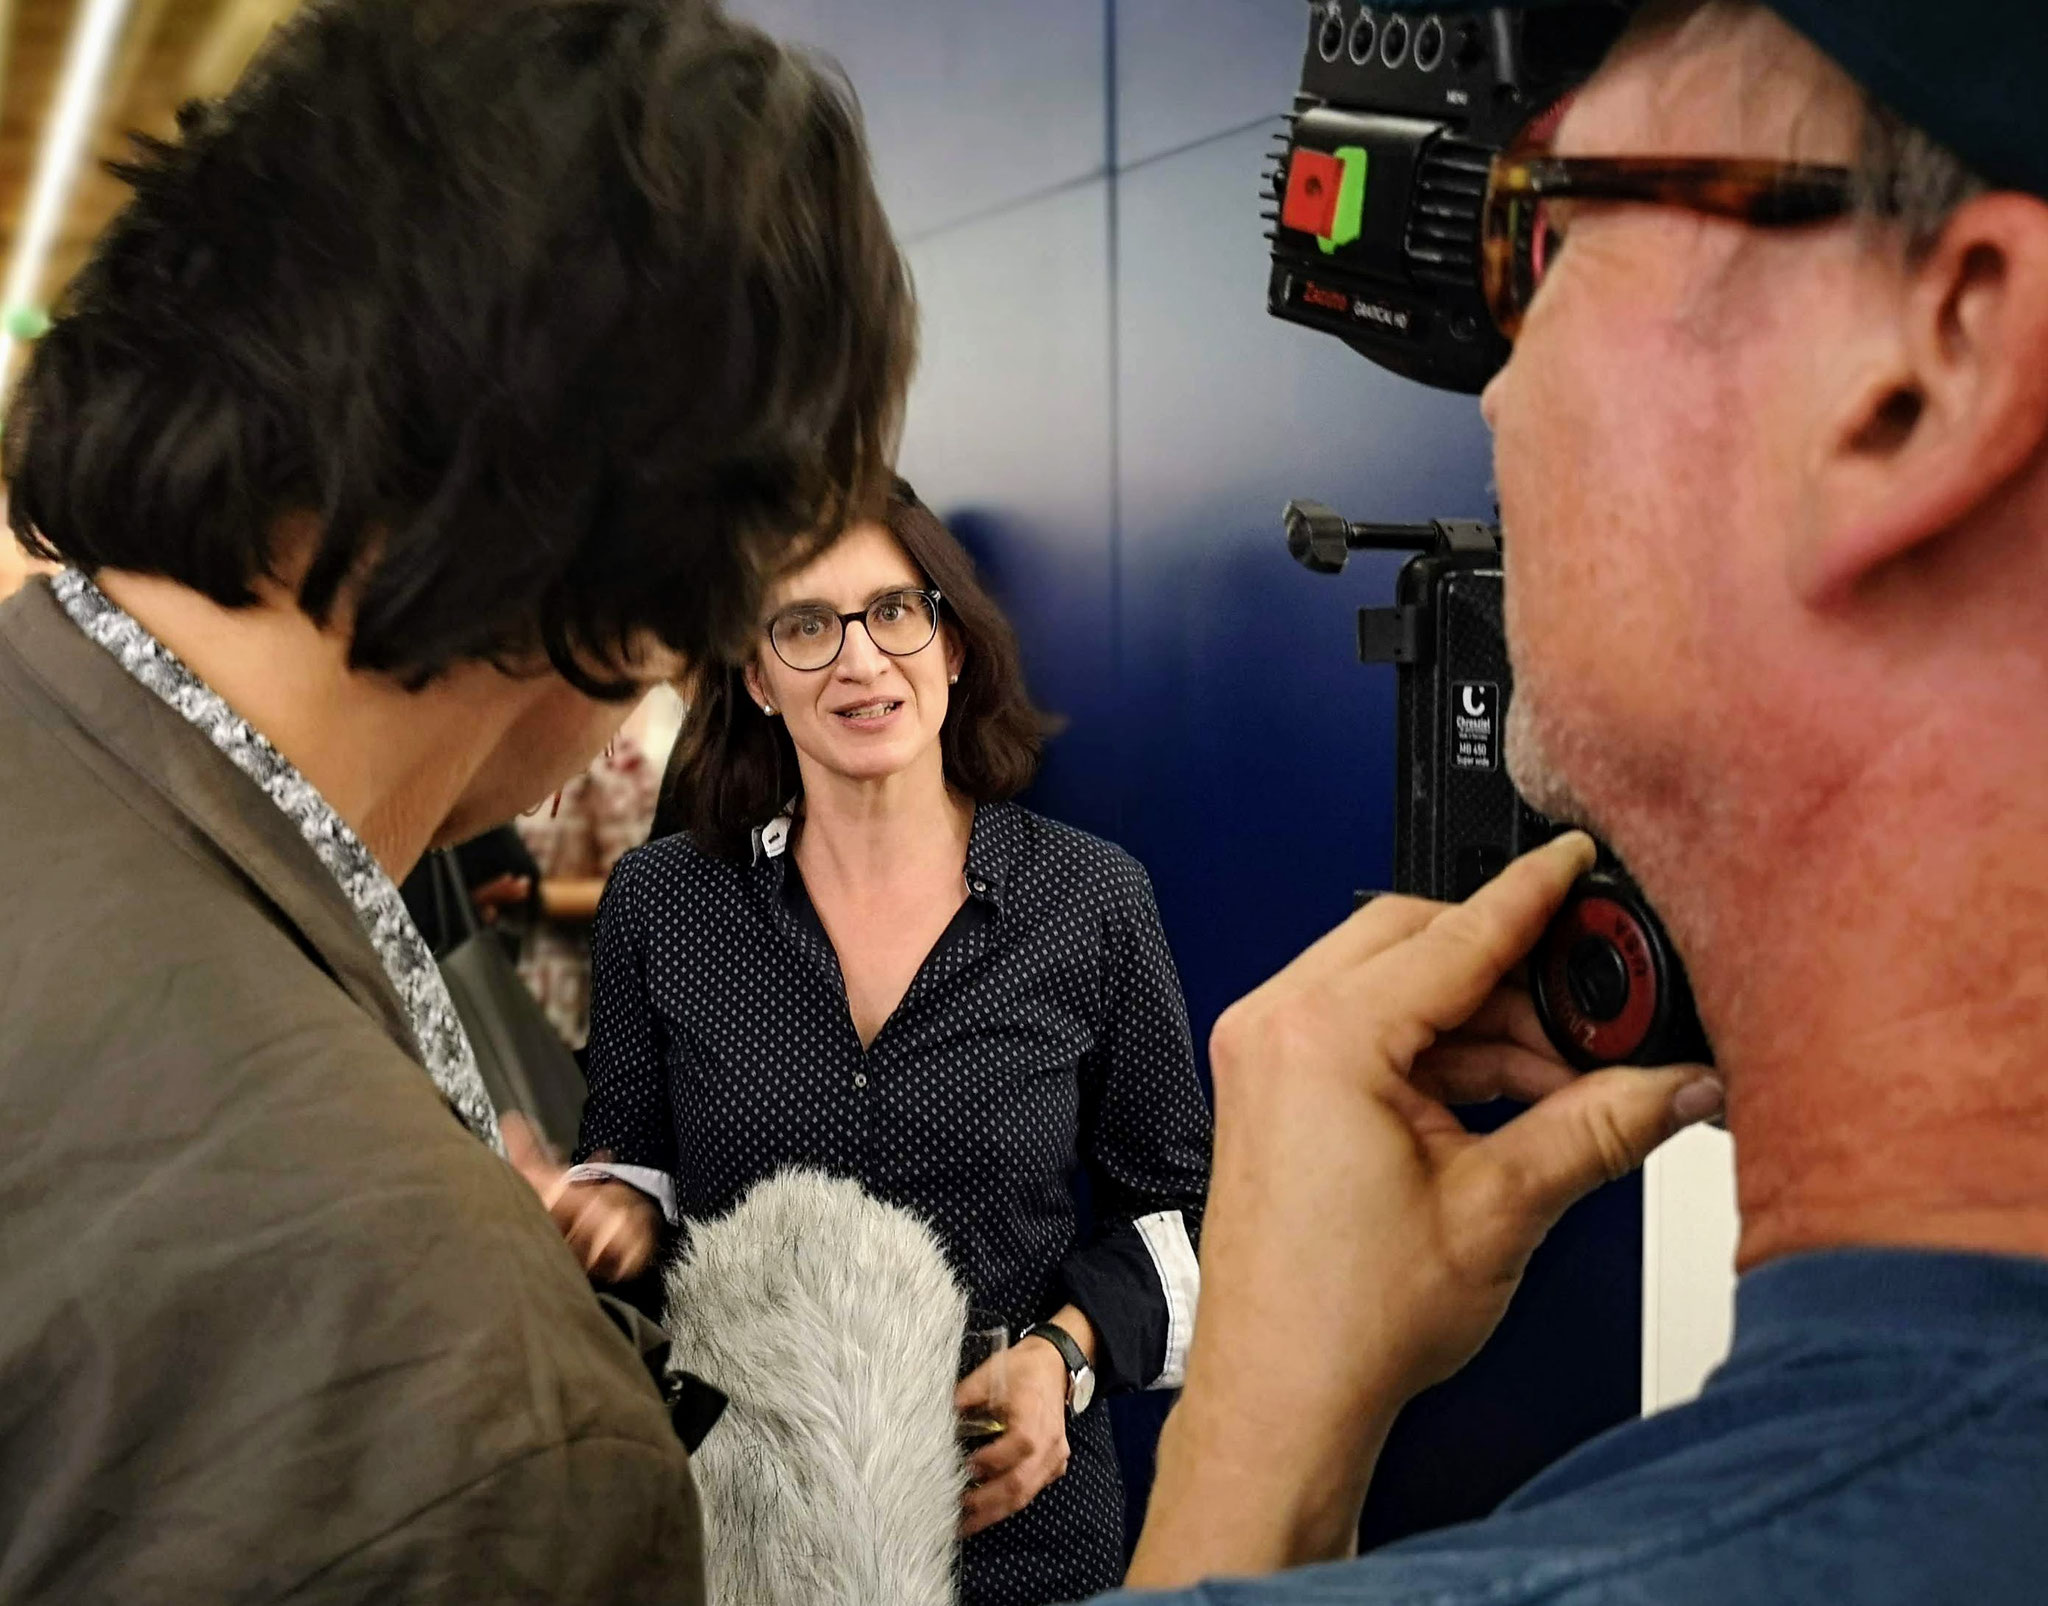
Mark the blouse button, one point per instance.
(981, 886)
(860, 1078)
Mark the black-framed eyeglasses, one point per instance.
(900, 623)
(1524, 219)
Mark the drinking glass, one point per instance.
(987, 1340)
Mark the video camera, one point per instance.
(1379, 186)
(1379, 181)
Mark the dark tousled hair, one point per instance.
(564, 320)
(733, 767)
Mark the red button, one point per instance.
(1314, 181)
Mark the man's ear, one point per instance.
(1959, 408)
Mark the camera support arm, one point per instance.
(1321, 539)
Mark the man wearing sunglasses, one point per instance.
(1773, 464)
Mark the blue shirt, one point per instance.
(1879, 1436)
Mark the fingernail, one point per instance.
(1699, 1100)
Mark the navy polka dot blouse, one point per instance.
(1040, 1055)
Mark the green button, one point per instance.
(1350, 220)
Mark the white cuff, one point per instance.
(657, 1185)
(1180, 1278)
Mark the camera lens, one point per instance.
(1330, 41)
(1365, 33)
(1394, 42)
(1429, 44)
(1608, 986)
(1598, 978)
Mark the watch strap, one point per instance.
(1063, 1341)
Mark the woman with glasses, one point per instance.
(857, 954)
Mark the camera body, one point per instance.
(1608, 984)
(1379, 181)
(1379, 191)
(1459, 821)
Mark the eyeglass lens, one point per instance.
(1532, 229)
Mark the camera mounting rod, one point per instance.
(1321, 539)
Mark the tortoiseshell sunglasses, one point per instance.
(1523, 225)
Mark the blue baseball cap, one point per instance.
(1973, 74)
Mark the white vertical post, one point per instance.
(1689, 1235)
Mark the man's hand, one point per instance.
(611, 1227)
(1008, 1475)
(1359, 1243)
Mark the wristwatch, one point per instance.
(1080, 1375)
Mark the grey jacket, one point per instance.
(273, 1326)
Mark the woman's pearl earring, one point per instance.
(952, 680)
(769, 711)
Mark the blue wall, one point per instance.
(1112, 423)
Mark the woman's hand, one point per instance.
(611, 1227)
(1032, 1452)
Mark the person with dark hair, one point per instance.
(859, 955)
(463, 372)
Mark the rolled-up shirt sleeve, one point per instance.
(657, 1185)
(1145, 1144)
(626, 1118)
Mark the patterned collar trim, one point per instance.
(443, 1045)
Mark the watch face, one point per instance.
(1084, 1389)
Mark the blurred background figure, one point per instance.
(537, 881)
(575, 840)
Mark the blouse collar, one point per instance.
(991, 845)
